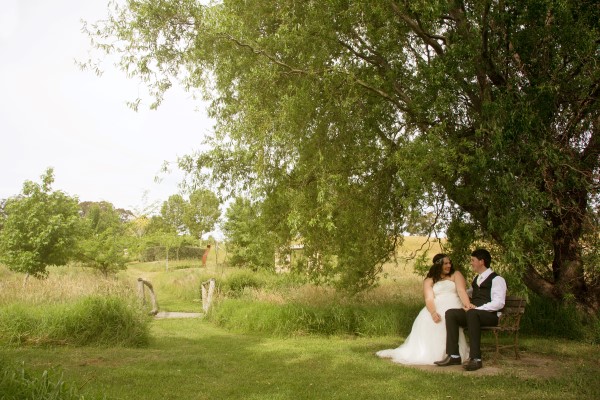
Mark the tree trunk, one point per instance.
(568, 277)
(167, 260)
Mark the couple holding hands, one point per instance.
(437, 335)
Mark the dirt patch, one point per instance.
(174, 314)
(92, 362)
(529, 366)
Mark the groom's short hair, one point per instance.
(483, 254)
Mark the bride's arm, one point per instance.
(429, 299)
(461, 289)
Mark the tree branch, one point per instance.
(381, 93)
(537, 283)
(267, 55)
(414, 26)
(492, 72)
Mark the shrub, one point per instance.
(93, 320)
(334, 318)
(548, 318)
(106, 321)
(235, 284)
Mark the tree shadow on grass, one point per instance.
(192, 359)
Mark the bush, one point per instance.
(93, 320)
(548, 318)
(235, 284)
(334, 318)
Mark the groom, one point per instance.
(487, 298)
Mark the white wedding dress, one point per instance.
(427, 340)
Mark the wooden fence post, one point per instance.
(141, 283)
(207, 293)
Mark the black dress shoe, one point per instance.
(448, 361)
(473, 365)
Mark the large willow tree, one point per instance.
(349, 119)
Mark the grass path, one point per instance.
(192, 359)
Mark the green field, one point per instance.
(191, 359)
(225, 356)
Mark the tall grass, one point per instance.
(548, 318)
(62, 285)
(92, 320)
(258, 304)
(71, 307)
(292, 319)
(17, 384)
(176, 289)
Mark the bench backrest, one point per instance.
(514, 308)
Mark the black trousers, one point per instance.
(473, 320)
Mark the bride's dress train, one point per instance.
(427, 340)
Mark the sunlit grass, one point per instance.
(17, 383)
(63, 284)
(299, 346)
(192, 359)
(72, 306)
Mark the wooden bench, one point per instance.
(514, 308)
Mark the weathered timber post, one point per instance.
(207, 293)
(141, 283)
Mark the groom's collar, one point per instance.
(485, 274)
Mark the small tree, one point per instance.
(250, 242)
(104, 245)
(40, 228)
(202, 212)
(173, 213)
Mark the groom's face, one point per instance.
(477, 264)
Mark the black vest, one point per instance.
(482, 294)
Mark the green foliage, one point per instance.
(179, 221)
(202, 212)
(548, 318)
(156, 253)
(104, 243)
(173, 212)
(157, 224)
(92, 320)
(16, 384)
(350, 121)
(40, 227)
(251, 243)
(235, 283)
(335, 318)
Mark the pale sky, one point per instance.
(52, 114)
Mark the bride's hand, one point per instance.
(436, 317)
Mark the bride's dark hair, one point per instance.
(435, 272)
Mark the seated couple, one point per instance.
(437, 335)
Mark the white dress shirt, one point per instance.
(498, 293)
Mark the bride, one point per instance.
(443, 288)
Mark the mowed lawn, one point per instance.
(193, 359)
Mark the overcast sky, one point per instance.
(52, 114)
